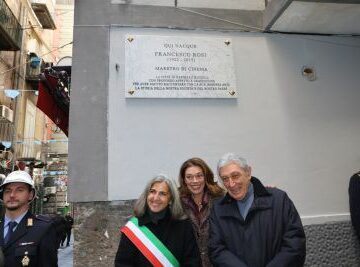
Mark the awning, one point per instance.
(54, 101)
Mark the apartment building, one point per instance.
(30, 136)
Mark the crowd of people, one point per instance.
(237, 223)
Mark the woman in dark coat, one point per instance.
(159, 210)
(197, 192)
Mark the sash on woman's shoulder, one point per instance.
(149, 245)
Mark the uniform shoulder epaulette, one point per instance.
(44, 218)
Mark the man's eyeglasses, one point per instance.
(234, 177)
(198, 176)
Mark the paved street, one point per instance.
(65, 255)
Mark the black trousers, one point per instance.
(67, 237)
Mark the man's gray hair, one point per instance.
(176, 209)
(232, 158)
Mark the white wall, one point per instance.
(303, 137)
(225, 4)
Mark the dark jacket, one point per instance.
(69, 222)
(272, 234)
(59, 224)
(200, 223)
(176, 235)
(34, 239)
(354, 199)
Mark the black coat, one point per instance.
(176, 235)
(271, 235)
(354, 199)
(69, 222)
(34, 238)
(59, 224)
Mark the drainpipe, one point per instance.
(16, 82)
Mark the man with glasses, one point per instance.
(253, 225)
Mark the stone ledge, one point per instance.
(96, 231)
(96, 234)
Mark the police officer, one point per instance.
(26, 239)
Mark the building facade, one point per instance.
(293, 114)
(27, 135)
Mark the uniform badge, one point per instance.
(29, 223)
(25, 261)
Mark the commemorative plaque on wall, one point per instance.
(179, 67)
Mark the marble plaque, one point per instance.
(179, 67)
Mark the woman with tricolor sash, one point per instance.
(159, 234)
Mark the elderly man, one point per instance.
(252, 225)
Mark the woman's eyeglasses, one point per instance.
(198, 176)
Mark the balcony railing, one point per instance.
(28, 149)
(43, 9)
(10, 29)
(6, 131)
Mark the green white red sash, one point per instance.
(149, 245)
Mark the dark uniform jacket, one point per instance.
(176, 235)
(271, 235)
(33, 243)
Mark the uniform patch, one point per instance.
(25, 261)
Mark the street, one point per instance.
(65, 254)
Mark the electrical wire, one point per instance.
(276, 33)
(220, 19)
(42, 55)
(65, 12)
(301, 36)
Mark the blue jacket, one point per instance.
(272, 234)
(33, 241)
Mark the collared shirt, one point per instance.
(7, 220)
(245, 203)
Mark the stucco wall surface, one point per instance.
(302, 136)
